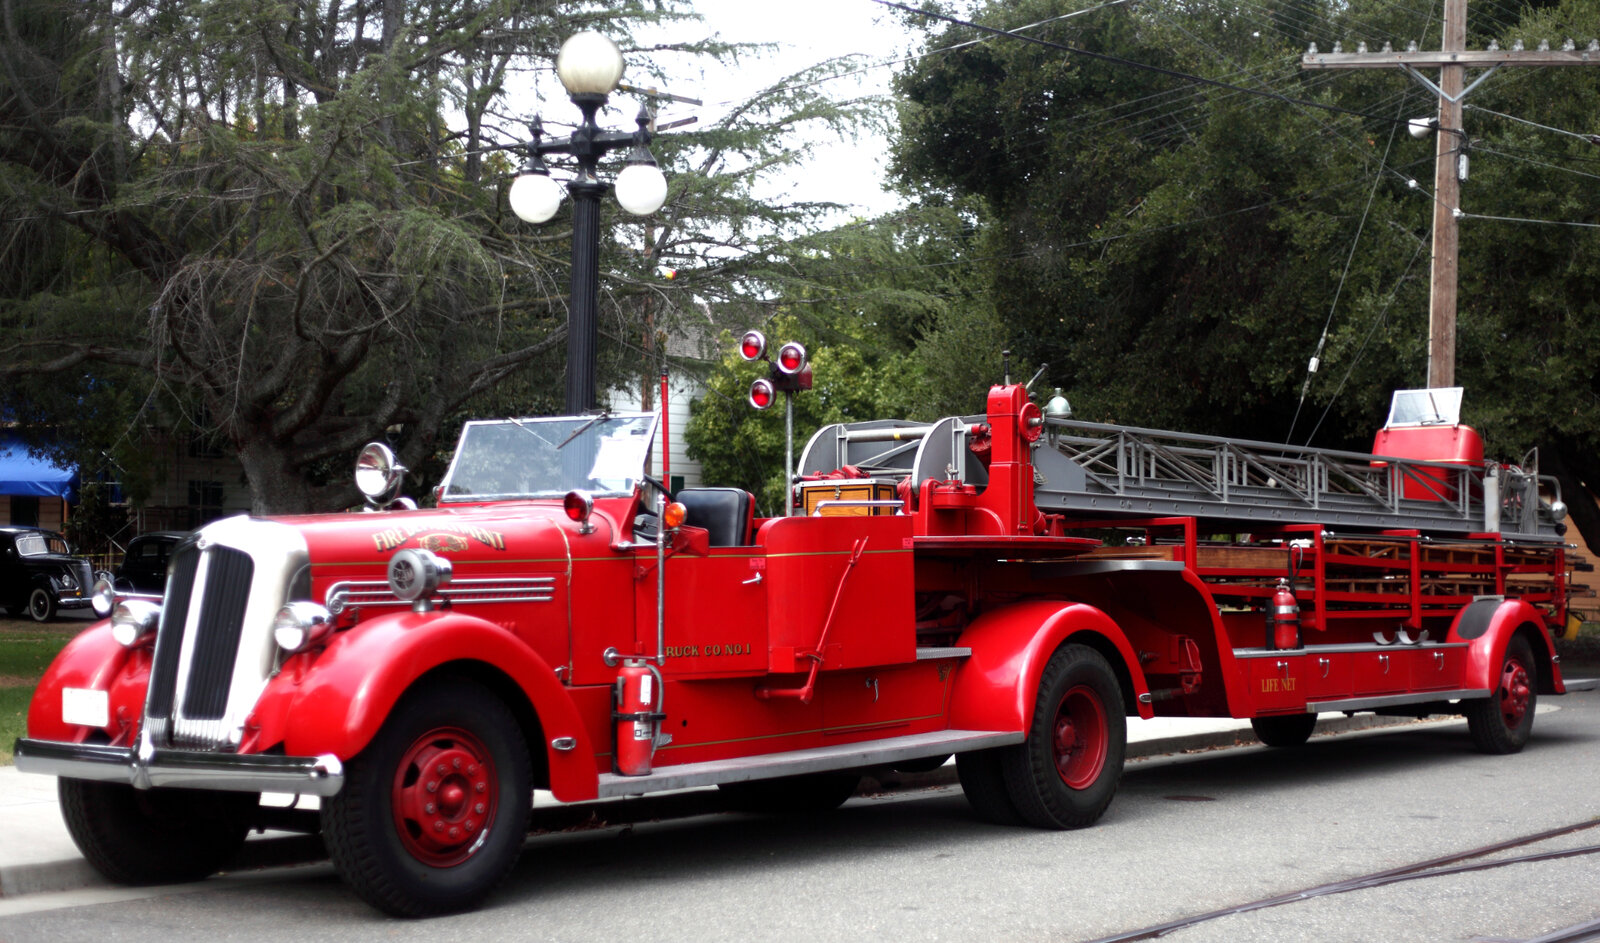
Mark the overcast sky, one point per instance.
(807, 33)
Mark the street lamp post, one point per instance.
(590, 66)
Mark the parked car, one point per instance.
(40, 575)
(144, 566)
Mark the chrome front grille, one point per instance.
(216, 646)
(214, 649)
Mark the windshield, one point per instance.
(546, 458)
(38, 545)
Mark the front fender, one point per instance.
(1487, 625)
(94, 660)
(337, 702)
(995, 687)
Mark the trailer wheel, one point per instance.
(1065, 773)
(810, 793)
(434, 812)
(154, 836)
(1285, 730)
(984, 784)
(1503, 721)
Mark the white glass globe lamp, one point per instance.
(535, 197)
(589, 64)
(641, 189)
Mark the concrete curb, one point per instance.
(71, 872)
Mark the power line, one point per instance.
(1589, 138)
(1535, 222)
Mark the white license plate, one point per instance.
(85, 706)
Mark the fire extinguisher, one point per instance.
(1283, 618)
(637, 716)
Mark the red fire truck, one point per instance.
(1007, 588)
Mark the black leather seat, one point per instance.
(726, 513)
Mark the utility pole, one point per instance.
(1453, 59)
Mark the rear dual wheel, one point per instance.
(1503, 721)
(1065, 773)
(434, 812)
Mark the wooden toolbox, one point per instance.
(813, 493)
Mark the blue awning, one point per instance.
(22, 474)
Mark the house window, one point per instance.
(25, 510)
(205, 502)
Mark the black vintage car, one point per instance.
(144, 566)
(39, 574)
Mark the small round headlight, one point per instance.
(301, 624)
(104, 598)
(133, 619)
(1558, 510)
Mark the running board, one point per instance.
(1393, 700)
(1580, 684)
(798, 762)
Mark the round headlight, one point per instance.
(301, 624)
(104, 598)
(133, 620)
(1558, 510)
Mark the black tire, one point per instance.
(1502, 722)
(375, 827)
(41, 604)
(1065, 774)
(155, 836)
(807, 794)
(985, 786)
(1284, 730)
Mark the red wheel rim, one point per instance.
(1079, 737)
(1514, 691)
(445, 796)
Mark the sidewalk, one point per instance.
(38, 856)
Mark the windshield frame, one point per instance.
(554, 432)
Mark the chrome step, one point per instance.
(798, 762)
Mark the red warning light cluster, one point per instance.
(788, 373)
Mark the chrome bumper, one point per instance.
(144, 769)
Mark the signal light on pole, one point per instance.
(753, 345)
(762, 394)
(791, 358)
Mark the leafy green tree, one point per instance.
(284, 227)
(1178, 251)
(895, 324)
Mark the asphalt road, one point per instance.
(1186, 835)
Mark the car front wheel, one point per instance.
(42, 605)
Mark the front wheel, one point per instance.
(41, 604)
(434, 812)
(1503, 721)
(154, 836)
(1065, 773)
